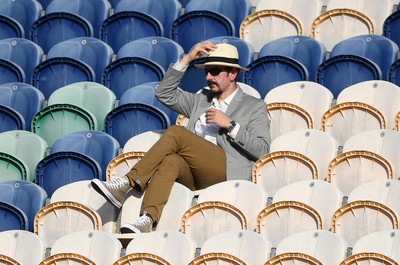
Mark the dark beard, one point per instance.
(210, 83)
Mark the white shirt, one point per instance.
(207, 130)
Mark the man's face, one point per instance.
(218, 78)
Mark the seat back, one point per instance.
(161, 50)
(12, 218)
(241, 244)
(67, 258)
(146, 94)
(292, 106)
(11, 119)
(17, 243)
(83, 192)
(92, 51)
(306, 50)
(11, 72)
(23, 52)
(379, 49)
(23, 13)
(170, 245)
(349, 221)
(25, 195)
(206, 219)
(26, 146)
(322, 196)
(325, 246)
(58, 120)
(207, 24)
(99, 246)
(390, 26)
(339, 24)
(92, 96)
(57, 72)
(94, 11)
(100, 146)
(24, 98)
(249, 198)
(61, 218)
(13, 168)
(132, 119)
(273, 23)
(142, 142)
(61, 168)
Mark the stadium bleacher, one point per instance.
(77, 102)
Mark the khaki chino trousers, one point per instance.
(178, 156)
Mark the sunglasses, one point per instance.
(216, 71)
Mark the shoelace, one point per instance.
(143, 220)
(117, 183)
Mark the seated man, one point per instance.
(227, 132)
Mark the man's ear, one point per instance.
(234, 74)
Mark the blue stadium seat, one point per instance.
(24, 98)
(207, 24)
(44, 3)
(10, 72)
(271, 71)
(394, 73)
(94, 11)
(235, 10)
(100, 146)
(53, 28)
(391, 27)
(194, 78)
(379, 49)
(165, 11)
(58, 120)
(306, 50)
(125, 26)
(18, 16)
(92, 51)
(132, 119)
(339, 72)
(10, 119)
(128, 72)
(27, 196)
(161, 50)
(146, 93)
(54, 73)
(23, 52)
(61, 168)
(12, 218)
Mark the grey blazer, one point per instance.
(253, 138)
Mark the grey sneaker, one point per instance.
(144, 224)
(114, 190)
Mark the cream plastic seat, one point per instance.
(321, 195)
(67, 258)
(295, 156)
(282, 219)
(171, 246)
(386, 242)
(82, 192)
(376, 10)
(368, 258)
(293, 258)
(295, 8)
(359, 218)
(363, 106)
(21, 247)
(263, 26)
(386, 192)
(385, 143)
(122, 164)
(245, 195)
(217, 259)
(241, 244)
(292, 106)
(61, 218)
(325, 246)
(338, 24)
(142, 142)
(100, 247)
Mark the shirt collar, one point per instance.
(226, 101)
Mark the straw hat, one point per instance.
(224, 55)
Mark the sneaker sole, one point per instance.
(129, 229)
(99, 187)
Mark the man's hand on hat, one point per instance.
(198, 51)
